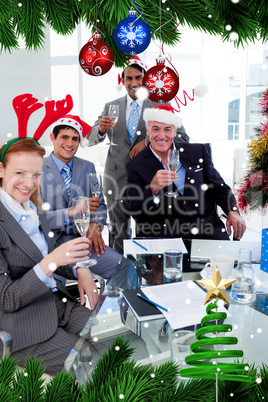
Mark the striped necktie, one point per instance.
(67, 177)
(133, 121)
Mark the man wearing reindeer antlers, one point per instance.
(129, 134)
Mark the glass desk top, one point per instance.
(112, 317)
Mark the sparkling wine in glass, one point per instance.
(95, 182)
(173, 159)
(113, 113)
(81, 217)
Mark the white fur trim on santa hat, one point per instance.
(162, 116)
(137, 60)
(83, 142)
(67, 121)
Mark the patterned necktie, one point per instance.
(133, 121)
(67, 177)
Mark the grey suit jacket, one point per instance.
(54, 191)
(115, 178)
(27, 307)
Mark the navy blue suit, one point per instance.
(193, 214)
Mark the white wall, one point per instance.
(23, 72)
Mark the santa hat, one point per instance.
(136, 60)
(163, 114)
(79, 125)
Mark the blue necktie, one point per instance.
(67, 177)
(133, 121)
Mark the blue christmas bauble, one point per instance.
(132, 35)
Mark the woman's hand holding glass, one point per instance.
(71, 252)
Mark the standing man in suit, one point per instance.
(130, 140)
(58, 190)
(199, 188)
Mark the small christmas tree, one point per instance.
(253, 191)
(205, 360)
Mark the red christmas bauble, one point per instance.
(161, 82)
(96, 57)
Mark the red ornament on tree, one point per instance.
(162, 82)
(96, 57)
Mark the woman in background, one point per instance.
(43, 319)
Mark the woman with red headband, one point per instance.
(43, 319)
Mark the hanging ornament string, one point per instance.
(161, 82)
(161, 25)
(140, 12)
(96, 20)
(177, 100)
(169, 36)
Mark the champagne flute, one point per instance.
(81, 217)
(113, 113)
(96, 190)
(173, 159)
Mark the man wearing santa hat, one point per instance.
(129, 134)
(197, 187)
(65, 177)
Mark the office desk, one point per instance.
(113, 318)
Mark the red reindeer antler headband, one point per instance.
(25, 105)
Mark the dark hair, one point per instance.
(23, 145)
(142, 70)
(57, 129)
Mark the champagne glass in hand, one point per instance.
(96, 190)
(81, 217)
(96, 184)
(113, 113)
(173, 159)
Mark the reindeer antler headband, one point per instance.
(25, 105)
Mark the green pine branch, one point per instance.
(8, 37)
(69, 12)
(63, 388)
(194, 390)
(122, 377)
(116, 355)
(30, 381)
(248, 18)
(262, 387)
(29, 22)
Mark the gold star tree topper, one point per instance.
(216, 287)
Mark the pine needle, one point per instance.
(63, 388)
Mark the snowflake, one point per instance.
(160, 82)
(131, 35)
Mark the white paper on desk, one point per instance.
(185, 301)
(153, 246)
